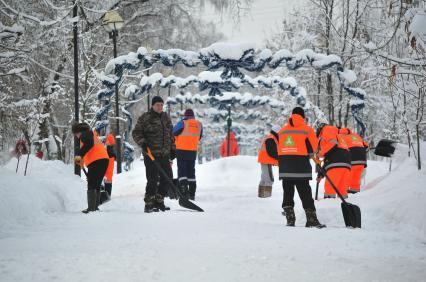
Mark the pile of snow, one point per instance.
(49, 187)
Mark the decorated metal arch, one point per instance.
(225, 64)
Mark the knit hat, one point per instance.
(276, 128)
(189, 113)
(79, 127)
(156, 99)
(298, 111)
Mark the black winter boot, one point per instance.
(290, 216)
(159, 203)
(150, 204)
(192, 189)
(312, 220)
(183, 189)
(91, 201)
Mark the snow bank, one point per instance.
(239, 237)
(48, 188)
(400, 201)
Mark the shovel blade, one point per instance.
(351, 215)
(385, 148)
(104, 197)
(183, 202)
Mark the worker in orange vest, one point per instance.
(109, 142)
(188, 133)
(94, 156)
(337, 160)
(234, 149)
(358, 150)
(268, 157)
(296, 145)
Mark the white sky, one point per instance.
(264, 18)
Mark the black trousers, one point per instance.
(304, 190)
(156, 182)
(186, 171)
(95, 174)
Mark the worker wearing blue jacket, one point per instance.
(188, 133)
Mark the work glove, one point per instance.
(78, 160)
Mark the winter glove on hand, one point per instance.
(78, 160)
(172, 155)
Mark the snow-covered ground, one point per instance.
(44, 237)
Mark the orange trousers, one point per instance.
(110, 171)
(340, 177)
(356, 174)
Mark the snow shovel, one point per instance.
(183, 202)
(351, 212)
(105, 197)
(316, 191)
(318, 183)
(171, 192)
(385, 148)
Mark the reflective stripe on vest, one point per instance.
(337, 165)
(295, 174)
(189, 138)
(95, 153)
(359, 162)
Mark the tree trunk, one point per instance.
(330, 99)
(419, 160)
(329, 83)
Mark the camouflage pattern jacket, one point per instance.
(154, 130)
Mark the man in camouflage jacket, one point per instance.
(154, 131)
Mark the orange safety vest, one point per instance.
(190, 137)
(329, 138)
(352, 139)
(292, 138)
(95, 153)
(263, 156)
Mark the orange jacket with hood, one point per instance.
(234, 150)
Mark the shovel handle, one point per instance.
(150, 155)
(324, 172)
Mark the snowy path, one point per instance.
(238, 238)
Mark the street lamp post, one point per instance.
(77, 169)
(112, 22)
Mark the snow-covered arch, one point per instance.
(230, 59)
